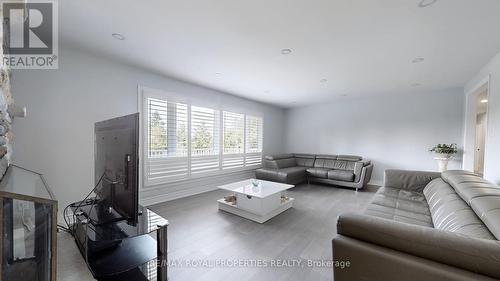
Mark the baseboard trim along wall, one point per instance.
(180, 189)
(177, 190)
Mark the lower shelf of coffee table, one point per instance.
(260, 218)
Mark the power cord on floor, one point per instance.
(69, 227)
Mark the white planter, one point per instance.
(442, 160)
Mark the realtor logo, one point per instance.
(30, 38)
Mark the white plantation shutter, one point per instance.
(205, 140)
(254, 140)
(157, 120)
(233, 140)
(184, 140)
(167, 141)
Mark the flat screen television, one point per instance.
(117, 166)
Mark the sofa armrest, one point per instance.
(363, 172)
(409, 180)
(270, 164)
(267, 174)
(368, 261)
(476, 255)
(358, 168)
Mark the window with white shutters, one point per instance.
(254, 139)
(167, 141)
(233, 140)
(205, 140)
(184, 140)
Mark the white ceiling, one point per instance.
(362, 47)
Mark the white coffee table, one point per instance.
(258, 203)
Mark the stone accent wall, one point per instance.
(8, 109)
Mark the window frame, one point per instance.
(145, 93)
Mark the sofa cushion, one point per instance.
(482, 196)
(294, 174)
(400, 205)
(279, 156)
(286, 163)
(409, 180)
(318, 172)
(333, 157)
(447, 174)
(449, 212)
(344, 165)
(280, 163)
(305, 160)
(349, 158)
(341, 175)
(324, 162)
(270, 175)
(332, 163)
(304, 155)
(487, 208)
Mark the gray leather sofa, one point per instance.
(423, 226)
(341, 170)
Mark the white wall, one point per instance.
(492, 157)
(57, 137)
(392, 131)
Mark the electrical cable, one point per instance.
(65, 216)
(79, 206)
(63, 228)
(90, 193)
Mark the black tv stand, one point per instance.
(100, 216)
(115, 250)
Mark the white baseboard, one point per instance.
(376, 182)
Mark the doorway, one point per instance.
(475, 155)
(481, 118)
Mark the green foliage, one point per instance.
(157, 133)
(181, 135)
(253, 138)
(445, 148)
(233, 141)
(202, 137)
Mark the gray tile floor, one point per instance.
(199, 233)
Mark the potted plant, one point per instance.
(443, 153)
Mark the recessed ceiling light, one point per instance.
(217, 73)
(484, 101)
(426, 3)
(118, 36)
(323, 80)
(417, 60)
(286, 51)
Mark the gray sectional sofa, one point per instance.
(423, 226)
(341, 170)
